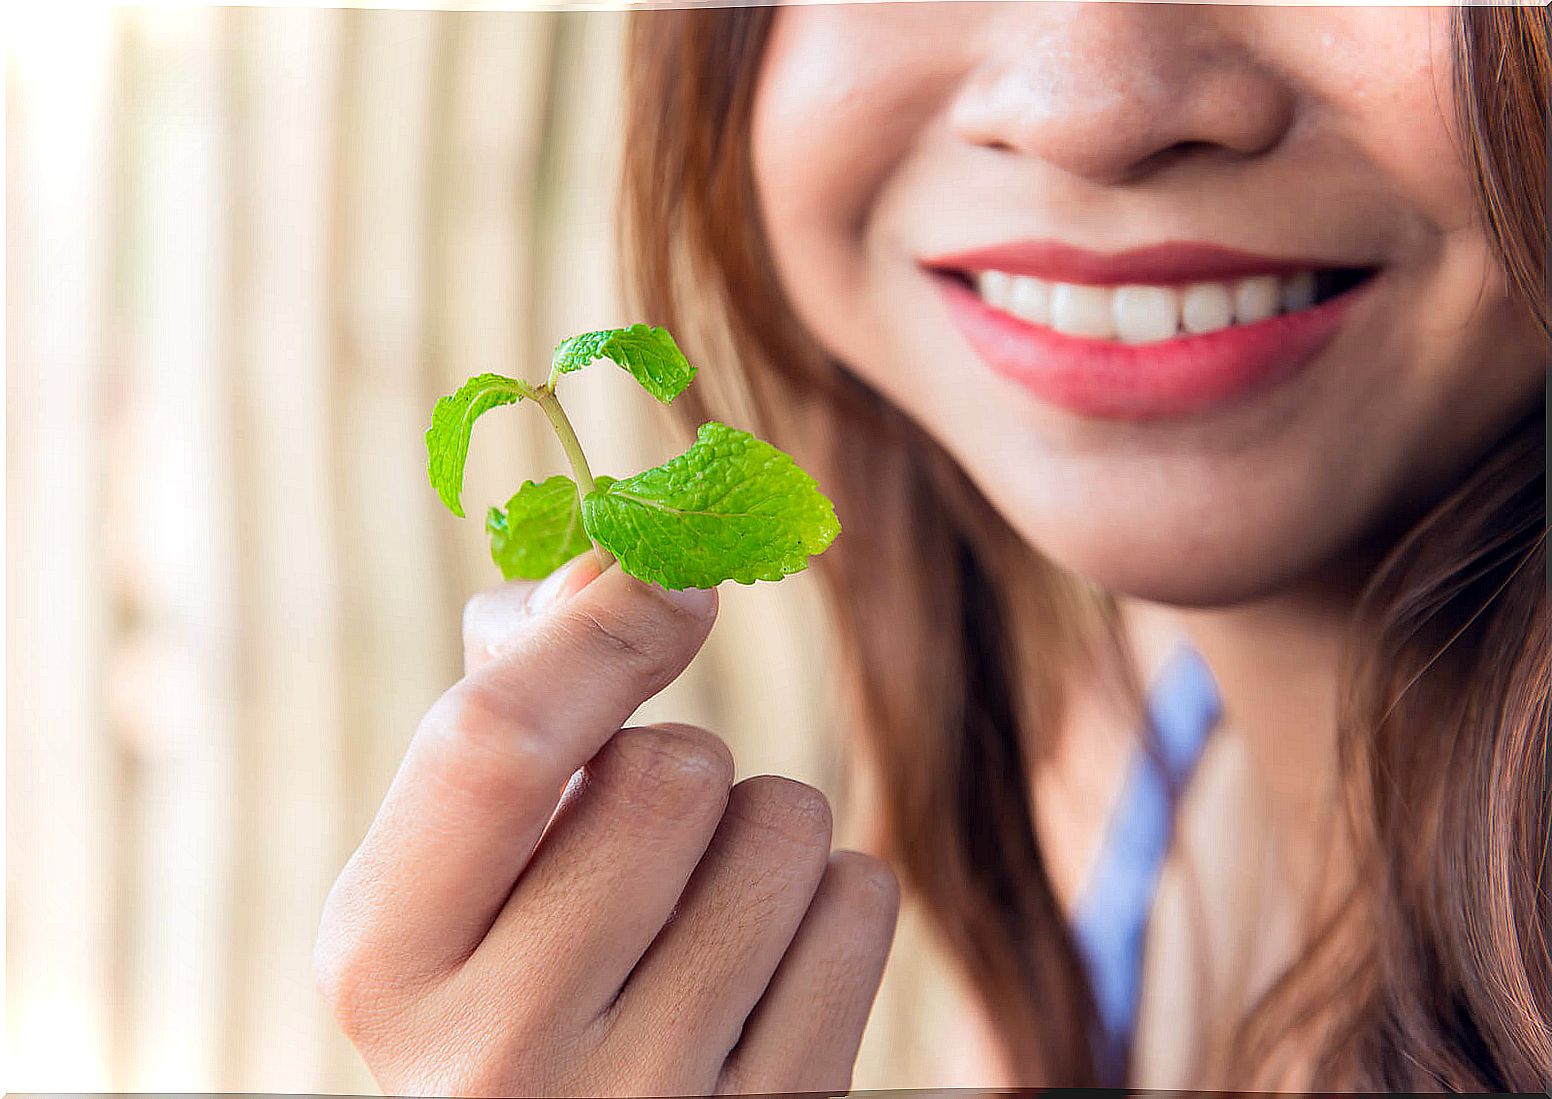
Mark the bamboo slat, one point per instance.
(172, 671)
(61, 788)
(289, 831)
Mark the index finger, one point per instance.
(490, 760)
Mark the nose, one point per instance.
(1113, 91)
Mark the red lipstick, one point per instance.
(1157, 265)
(1108, 379)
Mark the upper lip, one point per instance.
(1157, 264)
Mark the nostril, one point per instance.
(1177, 153)
(1183, 149)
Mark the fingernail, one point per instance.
(562, 584)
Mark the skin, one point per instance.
(465, 954)
(884, 135)
(504, 927)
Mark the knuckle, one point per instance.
(673, 768)
(330, 975)
(482, 745)
(478, 1073)
(790, 811)
(350, 977)
(513, 1049)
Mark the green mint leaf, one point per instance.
(732, 507)
(649, 354)
(452, 422)
(541, 528)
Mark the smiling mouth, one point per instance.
(1145, 313)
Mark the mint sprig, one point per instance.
(452, 422)
(541, 528)
(731, 507)
(648, 354)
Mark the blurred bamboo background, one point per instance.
(246, 250)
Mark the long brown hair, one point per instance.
(1435, 971)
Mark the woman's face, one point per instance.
(1199, 296)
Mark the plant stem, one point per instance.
(545, 396)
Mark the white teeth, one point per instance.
(1256, 299)
(1206, 307)
(994, 287)
(1139, 313)
(1030, 299)
(1082, 310)
(1299, 292)
(1145, 314)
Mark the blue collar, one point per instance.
(1110, 921)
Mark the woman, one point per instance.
(1176, 370)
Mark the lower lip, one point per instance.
(1109, 380)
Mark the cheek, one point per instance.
(812, 103)
(843, 95)
(1467, 357)
(1389, 73)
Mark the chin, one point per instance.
(1162, 564)
(1176, 582)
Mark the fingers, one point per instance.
(612, 865)
(804, 1034)
(739, 911)
(489, 618)
(487, 766)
